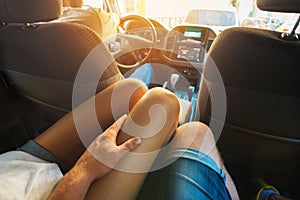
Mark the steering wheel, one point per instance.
(133, 48)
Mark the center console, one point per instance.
(186, 47)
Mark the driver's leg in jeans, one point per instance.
(143, 73)
(198, 172)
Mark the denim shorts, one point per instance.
(40, 152)
(194, 175)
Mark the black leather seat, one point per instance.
(20, 120)
(41, 58)
(261, 134)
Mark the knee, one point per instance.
(194, 135)
(136, 87)
(188, 128)
(164, 98)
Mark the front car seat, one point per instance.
(40, 55)
(261, 134)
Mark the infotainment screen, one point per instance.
(191, 54)
(192, 32)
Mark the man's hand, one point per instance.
(100, 157)
(103, 153)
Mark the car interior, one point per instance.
(260, 135)
(248, 75)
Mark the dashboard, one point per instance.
(182, 48)
(184, 44)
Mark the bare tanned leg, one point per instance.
(62, 139)
(157, 126)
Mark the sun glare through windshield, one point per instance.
(220, 13)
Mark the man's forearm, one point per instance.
(74, 185)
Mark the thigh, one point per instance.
(62, 139)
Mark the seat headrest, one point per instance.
(292, 6)
(29, 11)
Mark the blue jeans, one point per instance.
(193, 175)
(143, 73)
(38, 151)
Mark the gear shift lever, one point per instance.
(174, 78)
(191, 91)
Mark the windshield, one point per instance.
(211, 17)
(171, 13)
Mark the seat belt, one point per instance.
(3, 82)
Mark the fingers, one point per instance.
(131, 144)
(121, 121)
(112, 132)
(114, 129)
(128, 145)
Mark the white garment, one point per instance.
(25, 177)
